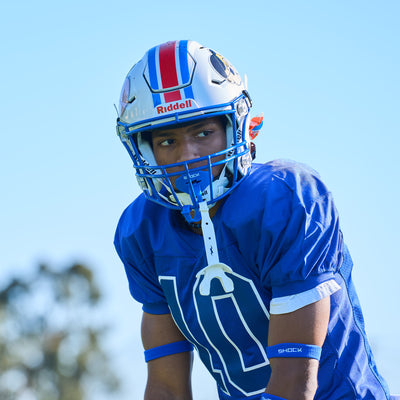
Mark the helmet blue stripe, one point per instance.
(153, 75)
(184, 65)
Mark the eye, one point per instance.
(165, 142)
(204, 133)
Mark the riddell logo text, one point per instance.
(174, 106)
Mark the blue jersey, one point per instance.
(279, 233)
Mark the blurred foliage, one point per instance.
(51, 331)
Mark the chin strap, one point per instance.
(214, 269)
(193, 184)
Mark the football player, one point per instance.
(243, 262)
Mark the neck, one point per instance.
(196, 226)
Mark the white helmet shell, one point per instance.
(178, 82)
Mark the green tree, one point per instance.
(51, 335)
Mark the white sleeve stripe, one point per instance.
(287, 304)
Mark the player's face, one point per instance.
(199, 139)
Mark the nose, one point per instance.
(188, 150)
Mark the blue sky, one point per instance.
(325, 74)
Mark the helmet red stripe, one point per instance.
(172, 96)
(168, 73)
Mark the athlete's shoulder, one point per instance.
(282, 169)
(287, 175)
(141, 229)
(271, 189)
(139, 214)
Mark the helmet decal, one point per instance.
(169, 72)
(179, 105)
(224, 68)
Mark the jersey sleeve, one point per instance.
(301, 227)
(143, 283)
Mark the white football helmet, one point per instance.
(180, 82)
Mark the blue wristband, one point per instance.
(294, 350)
(266, 396)
(167, 349)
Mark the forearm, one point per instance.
(162, 392)
(169, 378)
(293, 379)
